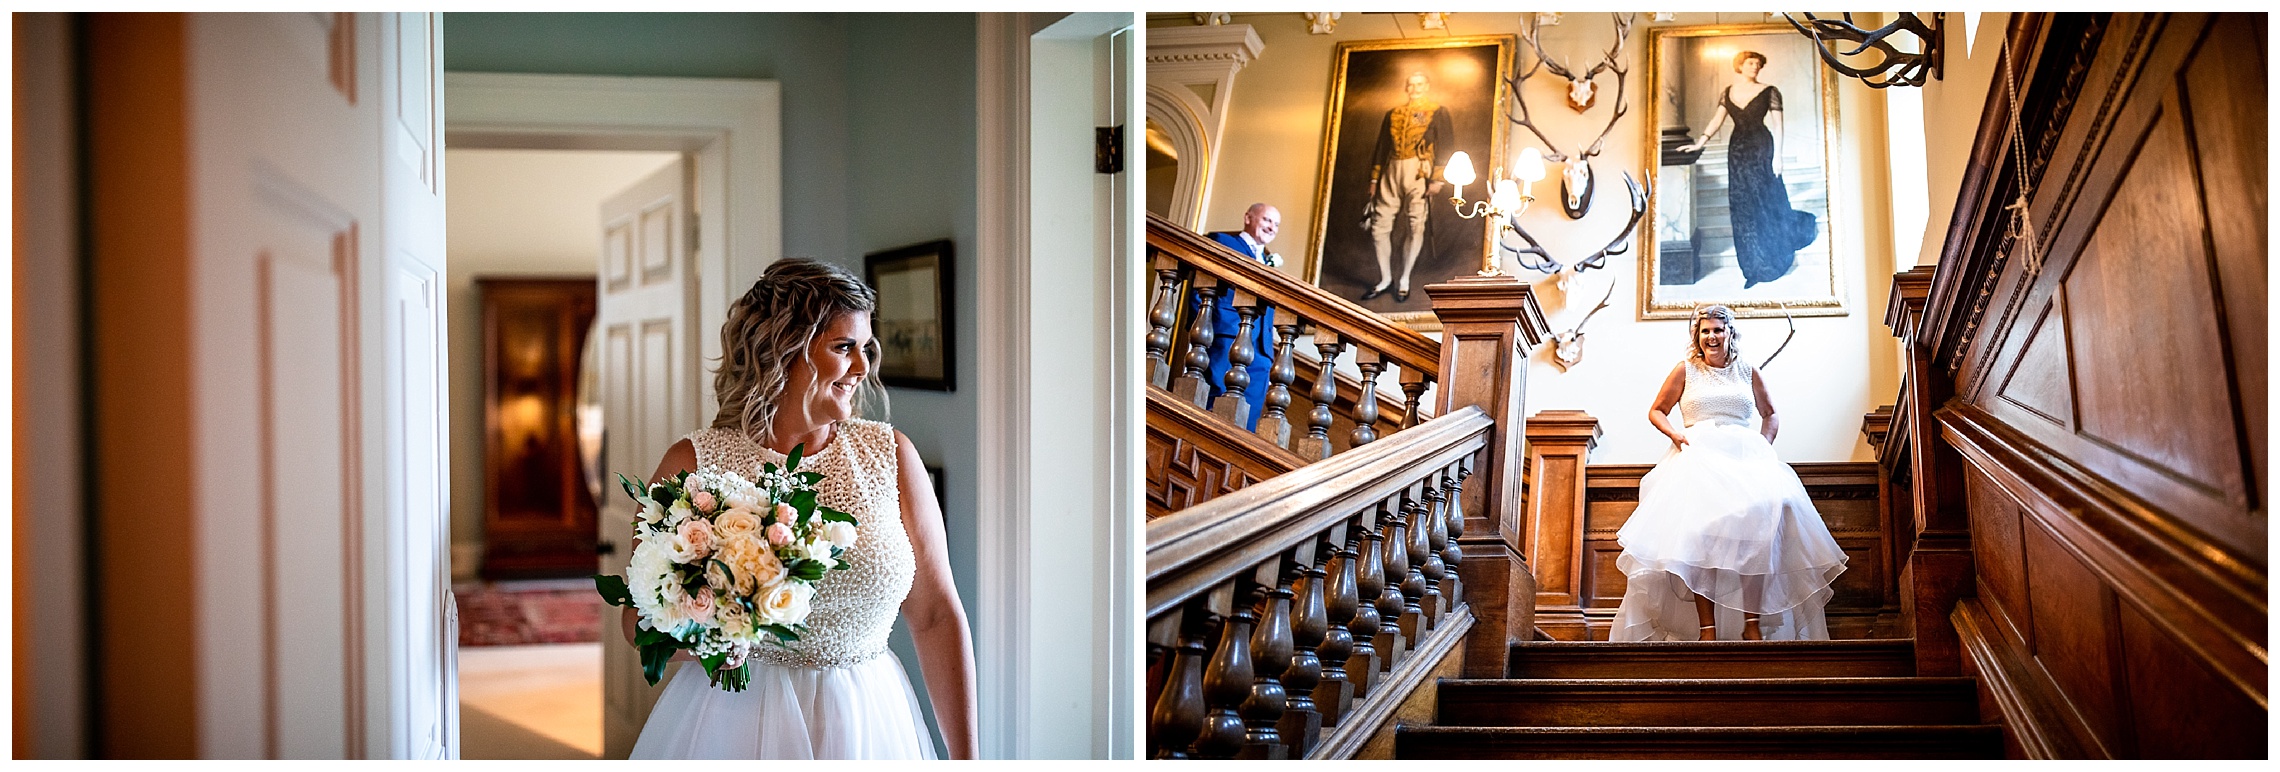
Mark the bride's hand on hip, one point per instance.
(1678, 439)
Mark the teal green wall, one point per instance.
(879, 145)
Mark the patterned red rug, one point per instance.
(517, 613)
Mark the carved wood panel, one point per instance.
(1194, 456)
(2112, 414)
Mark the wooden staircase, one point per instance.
(1727, 699)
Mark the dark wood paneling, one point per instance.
(1194, 457)
(2072, 614)
(2110, 406)
(1999, 554)
(2180, 709)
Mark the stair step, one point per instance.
(1712, 659)
(1770, 742)
(1725, 702)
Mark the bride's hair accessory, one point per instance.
(769, 329)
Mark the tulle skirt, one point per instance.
(1725, 519)
(862, 711)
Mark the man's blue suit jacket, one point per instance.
(1225, 323)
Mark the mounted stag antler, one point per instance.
(1616, 246)
(1577, 182)
(1567, 347)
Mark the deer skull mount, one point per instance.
(1543, 262)
(1567, 345)
(1577, 181)
(1576, 185)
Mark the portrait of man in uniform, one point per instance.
(1399, 110)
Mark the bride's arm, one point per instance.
(682, 457)
(937, 620)
(1659, 412)
(1771, 425)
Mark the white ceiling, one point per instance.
(533, 208)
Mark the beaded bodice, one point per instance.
(1718, 395)
(854, 607)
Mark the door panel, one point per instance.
(648, 395)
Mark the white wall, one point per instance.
(512, 212)
(1838, 367)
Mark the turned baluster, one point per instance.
(1194, 383)
(1315, 446)
(1161, 314)
(1178, 716)
(1453, 523)
(1393, 565)
(1270, 656)
(1369, 581)
(1413, 587)
(1274, 419)
(1414, 382)
(1232, 406)
(1335, 695)
(1309, 624)
(1366, 404)
(1226, 684)
(1425, 540)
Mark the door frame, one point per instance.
(730, 130)
(729, 134)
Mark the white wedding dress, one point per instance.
(1724, 518)
(837, 692)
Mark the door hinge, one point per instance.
(1108, 149)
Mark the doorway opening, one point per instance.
(526, 245)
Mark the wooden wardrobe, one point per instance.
(538, 513)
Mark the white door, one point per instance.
(419, 717)
(649, 395)
(317, 241)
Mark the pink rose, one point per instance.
(698, 606)
(779, 534)
(699, 536)
(784, 513)
(704, 501)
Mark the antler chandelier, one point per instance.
(1892, 67)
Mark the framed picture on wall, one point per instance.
(1741, 120)
(1383, 225)
(917, 340)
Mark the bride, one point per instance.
(1724, 536)
(797, 347)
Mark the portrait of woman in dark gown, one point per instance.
(1767, 232)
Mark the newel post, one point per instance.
(1939, 569)
(1559, 446)
(1489, 326)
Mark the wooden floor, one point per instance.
(530, 702)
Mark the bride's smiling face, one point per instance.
(820, 388)
(1710, 334)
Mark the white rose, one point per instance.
(735, 622)
(744, 497)
(677, 546)
(819, 550)
(784, 604)
(841, 534)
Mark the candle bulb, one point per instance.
(1459, 172)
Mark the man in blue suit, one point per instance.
(1260, 223)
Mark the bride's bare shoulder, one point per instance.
(682, 457)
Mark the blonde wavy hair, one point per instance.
(1733, 333)
(770, 328)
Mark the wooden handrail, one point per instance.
(1401, 345)
(1196, 548)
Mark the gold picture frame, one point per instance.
(1693, 251)
(1368, 79)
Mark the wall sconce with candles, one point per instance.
(1508, 198)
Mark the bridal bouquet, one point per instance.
(725, 564)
